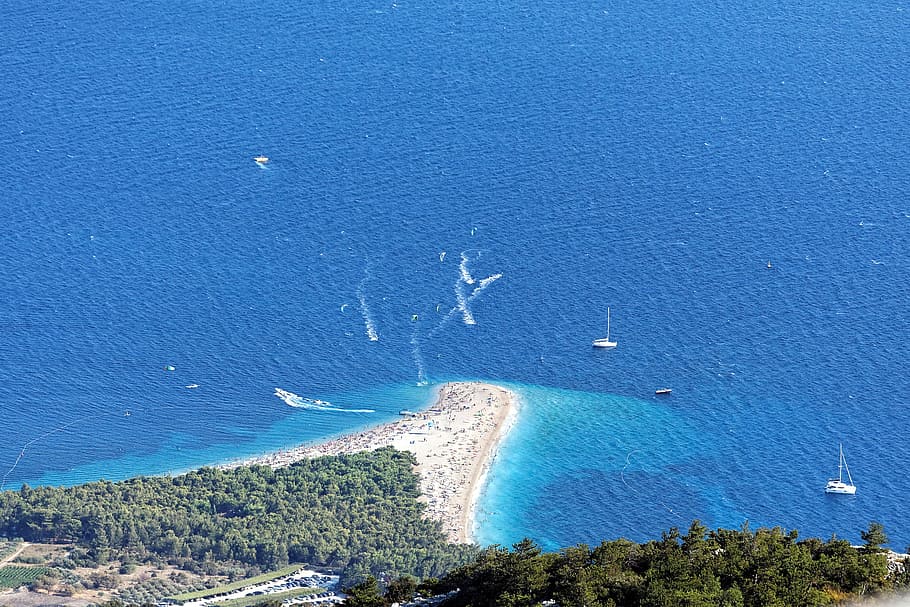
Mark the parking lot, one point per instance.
(301, 579)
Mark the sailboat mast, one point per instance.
(844, 462)
(840, 464)
(608, 324)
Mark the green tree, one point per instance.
(401, 590)
(429, 586)
(874, 537)
(570, 578)
(364, 594)
(100, 579)
(357, 512)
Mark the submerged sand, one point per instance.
(454, 442)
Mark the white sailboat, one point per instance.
(837, 485)
(604, 342)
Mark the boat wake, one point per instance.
(300, 402)
(418, 360)
(464, 296)
(622, 476)
(365, 312)
(462, 300)
(26, 446)
(463, 270)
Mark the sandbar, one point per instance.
(454, 443)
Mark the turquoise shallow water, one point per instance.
(584, 466)
(185, 451)
(565, 157)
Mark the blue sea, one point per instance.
(460, 191)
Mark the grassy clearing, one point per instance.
(45, 552)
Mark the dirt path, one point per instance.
(15, 553)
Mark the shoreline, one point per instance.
(503, 428)
(455, 441)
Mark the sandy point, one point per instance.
(454, 442)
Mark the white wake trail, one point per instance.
(365, 312)
(300, 402)
(35, 440)
(462, 298)
(484, 283)
(418, 360)
(463, 269)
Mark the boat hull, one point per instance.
(840, 487)
(603, 343)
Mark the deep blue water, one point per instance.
(647, 157)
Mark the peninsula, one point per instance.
(454, 442)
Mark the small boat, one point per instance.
(837, 485)
(261, 159)
(663, 391)
(192, 386)
(604, 342)
(406, 413)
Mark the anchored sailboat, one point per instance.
(604, 342)
(837, 485)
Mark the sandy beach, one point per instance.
(454, 441)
